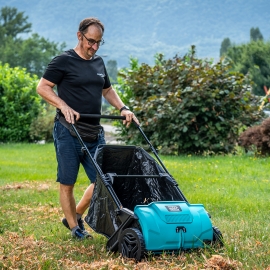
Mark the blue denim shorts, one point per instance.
(69, 155)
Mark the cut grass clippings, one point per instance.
(234, 189)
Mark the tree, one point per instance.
(13, 23)
(112, 70)
(188, 105)
(254, 59)
(255, 34)
(32, 53)
(225, 45)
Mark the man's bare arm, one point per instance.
(112, 97)
(45, 90)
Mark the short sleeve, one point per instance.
(56, 69)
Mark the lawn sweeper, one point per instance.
(139, 206)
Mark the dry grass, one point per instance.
(25, 249)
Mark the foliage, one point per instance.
(188, 105)
(33, 53)
(42, 126)
(19, 103)
(225, 45)
(257, 137)
(252, 58)
(13, 23)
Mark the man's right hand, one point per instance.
(70, 115)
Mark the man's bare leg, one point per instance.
(85, 200)
(68, 204)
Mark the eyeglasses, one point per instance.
(91, 42)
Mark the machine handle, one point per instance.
(106, 117)
(102, 116)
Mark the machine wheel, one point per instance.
(131, 244)
(217, 237)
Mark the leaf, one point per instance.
(221, 118)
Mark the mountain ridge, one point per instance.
(143, 28)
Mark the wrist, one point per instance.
(124, 108)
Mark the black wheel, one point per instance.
(131, 244)
(217, 237)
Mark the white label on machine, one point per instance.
(174, 208)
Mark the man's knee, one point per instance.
(66, 189)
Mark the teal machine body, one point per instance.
(174, 225)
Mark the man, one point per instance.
(81, 79)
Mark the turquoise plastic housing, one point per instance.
(174, 225)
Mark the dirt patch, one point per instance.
(27, 185)
(217, 262)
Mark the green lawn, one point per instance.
(234, 190)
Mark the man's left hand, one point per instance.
(129, 117)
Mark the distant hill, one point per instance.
(144, 27)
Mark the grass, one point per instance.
(234, 190)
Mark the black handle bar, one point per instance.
(106, 117)
(102, 116)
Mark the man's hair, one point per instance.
(90, 21)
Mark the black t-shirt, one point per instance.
(79, 82)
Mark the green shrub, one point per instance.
(19, 103)
(41, 127)
(188, 105)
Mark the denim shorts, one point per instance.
(69, 155)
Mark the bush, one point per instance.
(257, 137)
(188, 105)
(19, 103)
(41, 127)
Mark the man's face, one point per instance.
(90, 40)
